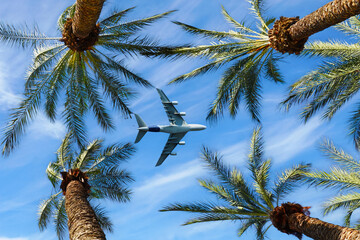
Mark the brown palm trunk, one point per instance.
(328, 15)
(292, 218)
(82, 221)
(290, 34)
(87, 13)
(319, 230)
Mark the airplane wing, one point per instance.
(171, 111)
(171, 143)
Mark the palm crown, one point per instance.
(250, 204)
(247, 55)
(335, 82)
(101, 166)
(345, 177)
(87, 72)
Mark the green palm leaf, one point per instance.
(245, 53)
(332, 84)
(248, 204)
(345, 177)
(22, 36)
(102, 167)
(86, 76)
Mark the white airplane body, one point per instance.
(177, 128)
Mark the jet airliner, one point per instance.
(177, 128)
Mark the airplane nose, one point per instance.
(203, 127)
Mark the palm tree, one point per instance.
(344, 177)
(334, 83)
(252, 54)
(249, 56)
(87, 176)
(87, 71)
(257, 205)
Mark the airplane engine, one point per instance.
(173, 154)
(174, 102)
(182, 143)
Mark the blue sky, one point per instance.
(288, 140)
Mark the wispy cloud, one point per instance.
(288, 139)
(42, 126)
(159, 188)
(168, 183)
(8, 98)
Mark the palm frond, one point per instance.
(101, 216)
(208, 33)
(199, 71)
(113, 155)
(257, 9)
(45, 210)
(115, 17)
(112, 186)
(288, 181)
(87, 155)
(272, 71)
(354, 126)
(44, 57)
(331, 48)
(22, 36)
(65, 15)
(55, 80)
(98, 106)
(338, 155)
(336, 178)
(73, 114)
(52, 173)
(132, 26)
(342, 201)
(245, 225)
(19, 118)
(114, 89)
(350, 27)
(118, 67)
(239, 26)
(60, 218)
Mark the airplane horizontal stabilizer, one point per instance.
(140, 136)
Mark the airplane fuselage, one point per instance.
(174, 128)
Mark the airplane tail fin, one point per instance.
(142, 132)
(140, 122)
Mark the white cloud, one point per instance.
(288, 139)
(8, 99)
(169, 183)
(235, 153)
(152, 192)
(42, 126)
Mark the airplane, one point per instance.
(177, 128)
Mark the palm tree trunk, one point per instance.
(87, 13)
(82, 221)
(328, 15)
(319, 230)
(291, 218)
(289, 35)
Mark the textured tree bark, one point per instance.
(87, 13)
(328, 15)
(289, 35)
(82, 222)
(319, 230)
